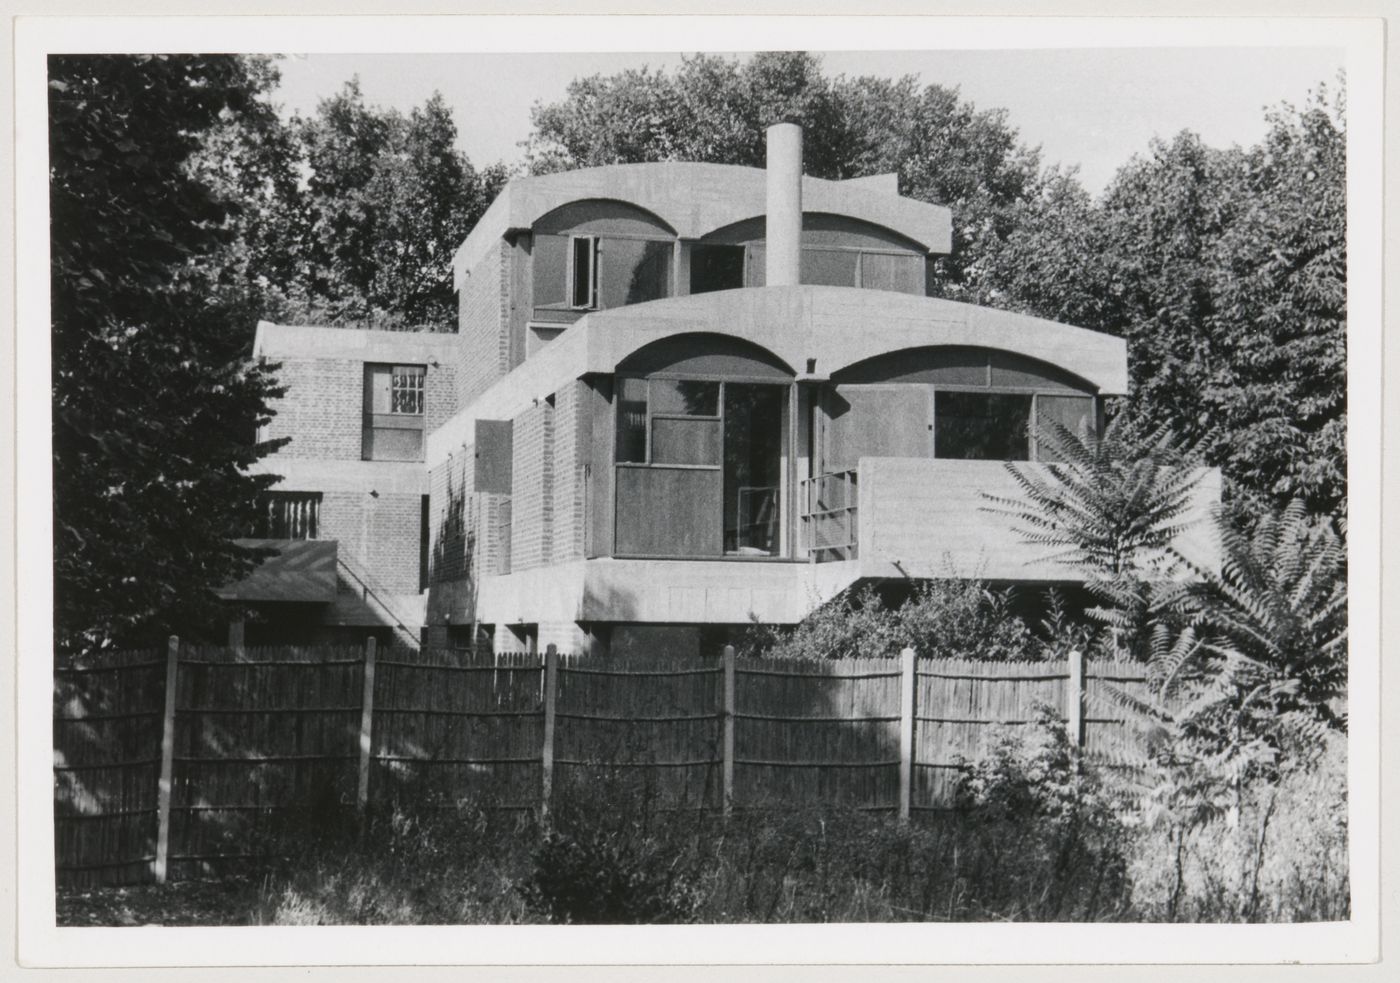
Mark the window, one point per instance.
(716, 267)
(700, 467)
(288, 515)
(998, 426)
(394, 405)
(982, 426)
(583, 272)
(668, 421)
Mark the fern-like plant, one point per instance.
(1108, 504)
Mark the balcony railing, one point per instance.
(829, 520)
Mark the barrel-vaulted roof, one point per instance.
(816, 330)
(695, 199)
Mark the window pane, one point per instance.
(881, 271)
(632, 421)
(684, 397)
(632, 271)
(716, 268)
(753, 451)
(583, 249)
(982, 426)
(407, 389)
(829, 267)
(1074, 413)
(684, 441)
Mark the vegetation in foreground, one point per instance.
(1039, 835)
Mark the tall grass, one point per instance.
(1038, 837)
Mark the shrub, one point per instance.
(952, 619)
(615, 876)
(1051, 825)
(1280, 857)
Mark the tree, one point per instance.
(155, 406)
(388, 200)
(1225, 271)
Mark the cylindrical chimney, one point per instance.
(784, 210)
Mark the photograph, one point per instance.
(775, 485)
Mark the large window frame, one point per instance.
(783, 549)
(1033, 449)
(820, 410)
(399, 406)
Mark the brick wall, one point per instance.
(483, 355)
(380, 533)
(569, 474)
(454, 536)
(532, 487)
(322, 411)
(440, 393)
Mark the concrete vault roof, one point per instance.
(696, 199)
(828, 327)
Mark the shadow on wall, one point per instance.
(452, 581)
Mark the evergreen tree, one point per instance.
(155, 406)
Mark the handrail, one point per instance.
(381, 596)
(845, 547)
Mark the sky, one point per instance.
(1090, 107)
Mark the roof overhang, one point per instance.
(279, 341)
(303, 570)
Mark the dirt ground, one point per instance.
(224, 902)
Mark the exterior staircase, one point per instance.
(379, 598)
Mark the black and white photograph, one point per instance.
(721, 479)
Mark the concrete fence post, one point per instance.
(1075, 700)
(167, 762)
(366, 726)
(728, 717)
(906, 732)
(551, 694)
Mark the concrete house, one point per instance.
(681, 397)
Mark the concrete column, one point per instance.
(783, 224)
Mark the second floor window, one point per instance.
(583, 272)
(395, 403)
(406, 389)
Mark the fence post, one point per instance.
(906, 732)
(1075, 699)
(366, 726)
(167, 762)
(728, 729)
(551, 693)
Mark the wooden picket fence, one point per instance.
(173, 764)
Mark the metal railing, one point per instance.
(829, 517)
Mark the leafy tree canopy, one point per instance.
(356, 212)
(1225, 270)
(154, 404)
